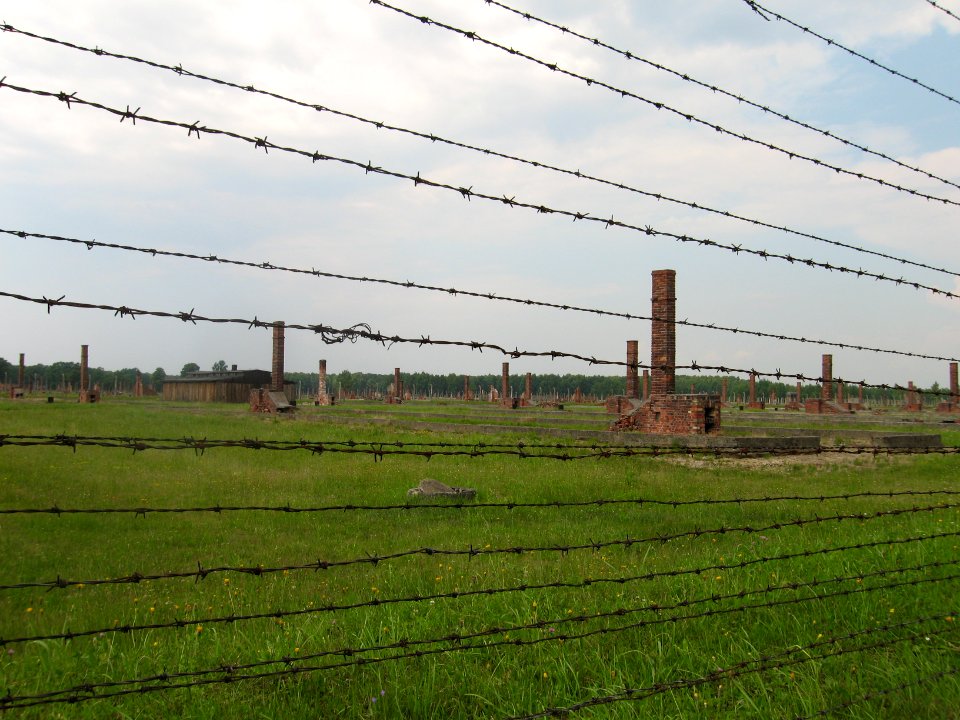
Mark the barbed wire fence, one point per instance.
(933, 623)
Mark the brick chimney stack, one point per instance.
(663, 337)
(276, 376)
(84, 375)
(826, 373)
(633, 376)
(505, 382)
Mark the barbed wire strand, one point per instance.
(201, 573)
(468, 193)
(596, 42)
(279, 614)
(89, 691)
(943, 9)
(219, 508)
(153, 252)
(459, 638)
(659, 105)
(200, 446)
(762, 664)
(180, 71)
(764, 12)
(331, 335)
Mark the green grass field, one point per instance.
(769, 636)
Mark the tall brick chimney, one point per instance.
(397, 387)
(633, 377)
(505, 382)
(826, 373)
(528, 388)
(753, 388)
(466, 387)
(276, 374)
(20, 374)
(954, 390)
(84, 376)
(646, 385)
(663, 338)
(322, 381)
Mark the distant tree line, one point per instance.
(63, 374)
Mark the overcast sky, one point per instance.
(80, 173)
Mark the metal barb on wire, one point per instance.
(433, 138)
(686, 77)
(646, 230)
(659, 105)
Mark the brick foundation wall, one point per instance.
(819, 406)
(674, 415)
(663, 339)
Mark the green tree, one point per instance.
(157, 377)
(219, 366)
(189, 368)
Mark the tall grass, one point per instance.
(493, 679)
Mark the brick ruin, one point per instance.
(527, 398)
(87, 394)
(664, 412)
(912, 402)
(21, 373)
(794, 400)
(623, 404)
(505, 398)
(395, 394)
(953, 404)
(825, 404)
(273, 399)
(753, 403)
(16, 391)
(467, 392)
(138, 385)
(323, 397)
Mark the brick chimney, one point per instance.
(84, 376)
(663, 338)
(20, 374)
(954, 390)
(276, 375)
(826, 373)
(505, 382)
(633, 377)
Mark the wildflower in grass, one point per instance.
(544, 674)
(29, 609)
(199, 629)
(9, 651)
(892, 611)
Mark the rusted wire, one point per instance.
(228, 673)
(764, 12)
(468, 193)
(154, 252)
(331, 335)
(220, 508)
(180, 71)
(943, 9)
(597, 42)
(659, 105)
(526, 587)
(201, 573)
